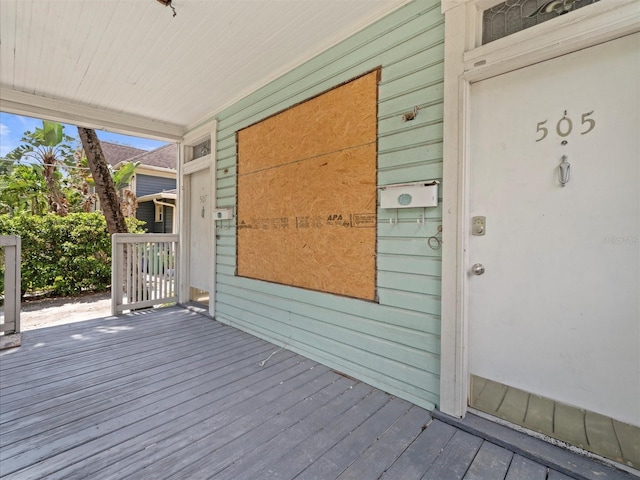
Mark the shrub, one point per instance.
(64, 255)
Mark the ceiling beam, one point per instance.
(20, 103)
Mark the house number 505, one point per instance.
(564, 127)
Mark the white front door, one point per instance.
(200, 217)
(556, 311)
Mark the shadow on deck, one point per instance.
(172, 394)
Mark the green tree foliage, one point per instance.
(52, 151)
(23, 189)
(63, 255)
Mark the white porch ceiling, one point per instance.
(130, 66)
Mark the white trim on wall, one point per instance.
(212, 234)
(466, 63)
(183, 205)
(186, 167)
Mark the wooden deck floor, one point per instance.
(172, 394)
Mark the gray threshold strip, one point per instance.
(555, 457)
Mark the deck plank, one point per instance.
(491, 461)
(555, 475)
(345, 452)
(138, 446)
(233, 448)
(456, 458)
(172, 394)
(388, 448)
(82, 392)
(304, 454)
(202, 443)
(143, 401)
(269, 453)
(524, 469)
(96, 359)
(419, 456)
(133, 422)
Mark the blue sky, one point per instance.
(12, 127)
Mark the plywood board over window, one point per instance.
(307, 193)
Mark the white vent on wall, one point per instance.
(410, 195)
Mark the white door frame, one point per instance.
(186, 167)
(467, 62)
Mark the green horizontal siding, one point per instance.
(393, 343)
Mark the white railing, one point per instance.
(144, 271)
(10, 324)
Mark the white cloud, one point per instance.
(4, 130)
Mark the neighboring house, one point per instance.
(153, 184)
(296, 219)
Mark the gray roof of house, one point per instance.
(116, 153)
(165, 157)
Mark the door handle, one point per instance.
(477, 269)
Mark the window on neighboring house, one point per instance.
(159, 213)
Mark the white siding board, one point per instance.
(393, 124)
(316, 345)
(410, 228)
(398, 103)
(22, 43)
(408, 282)
(415, 60)
(226, 196)
(409, 248)
(406, 264)
(410, 301)
(421, 152)
(393, 343)
(9, 38)
(430, 131)
(228, 241)
(411, 173)
(121, 24)
(401, 334)
(416, 79)
(35, 51)
(226, 182)
(331, 332)
(222, 173)
(408, 222)
(339, 305)
(227, 255)
(227, 146)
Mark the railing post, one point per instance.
(117, 277)
(12, 245)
